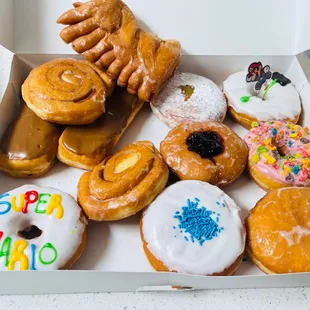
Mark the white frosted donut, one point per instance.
(194, 227)
(40, 229)
(189, 97)
(280, 102)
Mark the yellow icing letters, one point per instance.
(18, 255)
(55, 203)
(21, 203)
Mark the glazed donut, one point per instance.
(29, 145)
(279, 103)
(40, 229)
(189, 97)
(209, 152)
(67, 91)
(193, 227)
(279, 154)
(279, 233)
(124, 184)
(86, 146)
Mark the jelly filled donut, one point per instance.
(193, 227)
(209, 152)
(274, 101)
(123, 184)
(279, 154)
(40, 229)
(189, 97)
(278, 239)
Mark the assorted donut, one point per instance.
(73, 111)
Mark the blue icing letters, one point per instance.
(6, 203)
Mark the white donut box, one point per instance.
(231, 31)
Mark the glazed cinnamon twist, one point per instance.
(67, 91)
(124, 184)
(106, 32)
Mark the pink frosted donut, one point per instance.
(279, 154)
(189, 97)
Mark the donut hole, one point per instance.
(30, 232)
(281, 150)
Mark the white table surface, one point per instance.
(262, 299)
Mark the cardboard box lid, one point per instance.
(204, 27)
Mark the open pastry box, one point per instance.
(113, 259)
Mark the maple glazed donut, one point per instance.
(67, 91)
(278, 239)
(189, 97)
(279, 154)
(209, 152)
(277, 99)
(193, 227)
(123, 184)
(40, 229)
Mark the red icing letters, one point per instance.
(28, 195)
(1, 234)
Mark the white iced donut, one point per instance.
(189, 97)
(40, 229)
(279, 103)
(193, 227)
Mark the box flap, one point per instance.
(204, 27)
(7, 23)
(6, 58)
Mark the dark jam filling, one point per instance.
(206, 144)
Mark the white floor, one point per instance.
(260, 299)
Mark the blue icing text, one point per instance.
(197, 222)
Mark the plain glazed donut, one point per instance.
(209, 152)
(193, 227)
(279, 103)
(279, 154)
(40, 229)
(189, 97)
(278, 239)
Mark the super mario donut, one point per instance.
(193, 227)
(40, 229)
(261, 95)
(279, 154)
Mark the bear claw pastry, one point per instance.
(106, 32)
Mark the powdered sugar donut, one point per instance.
(40, 229)
(193, 227)
(189, 97)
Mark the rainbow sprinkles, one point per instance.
(281, 150)
(47, 229)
